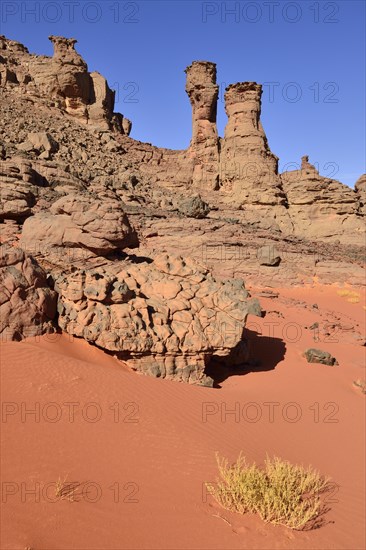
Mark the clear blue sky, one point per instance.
(312, 52)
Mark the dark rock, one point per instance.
(194, 207)
(268, 255)
(318, 356)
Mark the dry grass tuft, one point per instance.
(354, 299)
(352, 296)
(343, 292)
(281, 493)
(66, 490)
(360, 384)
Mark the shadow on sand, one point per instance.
(265, 353)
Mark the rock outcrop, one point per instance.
(166, 319)
(360, 188)
(95, 226)
(247, 165)
(203, 93)
(63, 78)
(19, 187)
(78, 194)
(27, 303)
(237, 173)
(323, 208)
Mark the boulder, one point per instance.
(319, 356)
(194, 207)
(166, 319)
(27, 303)
(268, 255)
(43, 142)
(80, 221)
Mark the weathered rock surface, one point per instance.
(203, 93)
(318, 356)
(268, 255)
(27, 303)
(167, 318)
(322, 207)
(76, 191)
(97, 225)
(63, 78)
(236, 174)
(18, 188)
(194, 207)
(248, 167)
(360, 188)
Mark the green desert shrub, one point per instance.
(281, 493)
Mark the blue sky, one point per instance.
(310, 56)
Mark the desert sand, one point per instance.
(141, 448)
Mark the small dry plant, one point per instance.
(343, 292)
(66, 490)
(281, 493)
(352, 297)
(361, 385)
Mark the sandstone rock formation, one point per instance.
(322, 207)
(19, 187)
(235, 173)
(360, 188)
(78, 194)
(247, 166)
(27, 304)
(98, 226)
(167, 318)
(203, 93)
(63, 78)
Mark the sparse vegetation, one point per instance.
(66, 490)
(343, 292)
(353, 299)
(352, 296)
(281, 493)
(361, 385)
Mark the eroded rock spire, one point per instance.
(203, 93)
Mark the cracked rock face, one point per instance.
(18, 188)
(82, 221)
(166, 319)
(27, 304)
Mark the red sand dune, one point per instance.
(143, 463)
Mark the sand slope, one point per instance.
(143, 448)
